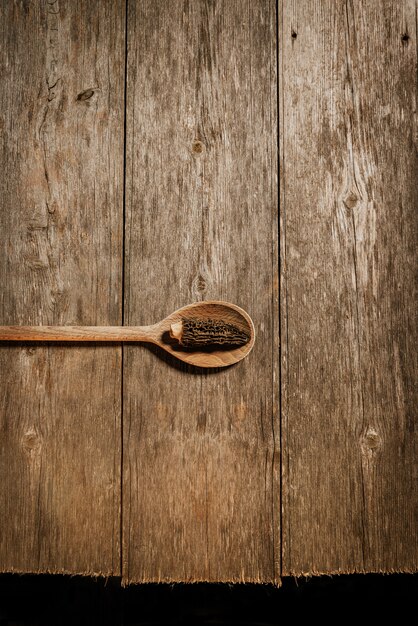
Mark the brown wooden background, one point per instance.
(140, 144)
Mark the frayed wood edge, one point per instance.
(125, 582)
(347, 572)
(272, 583)
(196, 581)
(277, 583)
(60, 572)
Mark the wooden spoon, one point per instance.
(204, 334)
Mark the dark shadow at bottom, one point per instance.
(43, 600)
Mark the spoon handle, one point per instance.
(79, 333)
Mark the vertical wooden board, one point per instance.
(201, 484)
(348, 246)
(61, 121)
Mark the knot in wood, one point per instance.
(371, 442)
(350, 200)
(31, 442)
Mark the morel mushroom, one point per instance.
(204, 333)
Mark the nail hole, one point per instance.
(197, 147)
(405, 38)
(294, 34)
(85, 95)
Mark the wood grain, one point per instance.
(200, 472)
(61, 122)
(348, 246)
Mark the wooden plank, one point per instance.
(348, 245)
(201, 483)
(61, 108)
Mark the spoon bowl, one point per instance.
(209, 357)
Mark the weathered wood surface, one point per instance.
(200, 472)
(61, 163)
(348, 292)
(200, 464)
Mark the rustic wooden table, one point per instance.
(139, 172)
